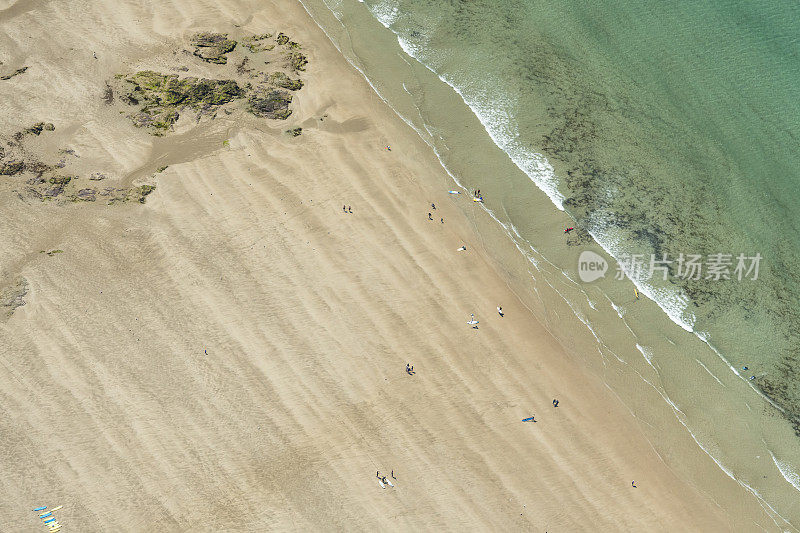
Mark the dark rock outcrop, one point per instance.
(15, 73)
(270, 104)
(213, 47)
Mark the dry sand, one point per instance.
(112, 407)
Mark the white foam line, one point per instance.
(497, 122)
(722, 467)
(791, 477)
(648, 355)
(620, 313)
(699, 362)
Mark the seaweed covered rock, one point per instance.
(213, 47)
(38, 168)
(38, 128)
(282, 38)
(119, 196)
(154, 89)
(160, 96)
(270, 104)
(157, 119)
(256, 43)
(295, 132)
(297, 60)
(280, 79)
(59, 183)
(141, 192)
(86, 195)
(60, 180)
(11, 167)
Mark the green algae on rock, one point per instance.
(297, 60)
(135, 193)
(162, 94)
(142, 191)
(256, 43)
(295, 132)
(213, 47)
(12, 167)
(36, 129)
(280, 79)
(156, 89)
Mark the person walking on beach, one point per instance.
(633, 484)
(344, 208)
(433, 206)
(349, 209)
(430, 217)
(393, 475)
(500, 311)
(462, 249)
(555, 403)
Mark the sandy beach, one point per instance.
(229, 353)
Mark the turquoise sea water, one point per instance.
(659, 128)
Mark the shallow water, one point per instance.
(657, 129)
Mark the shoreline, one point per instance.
(779, 437)
(497, 119)
(306, 316)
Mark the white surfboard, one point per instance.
(454, 192)
(381, 484)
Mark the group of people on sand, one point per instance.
(430, 215)
(410, 369)
(347, 209)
